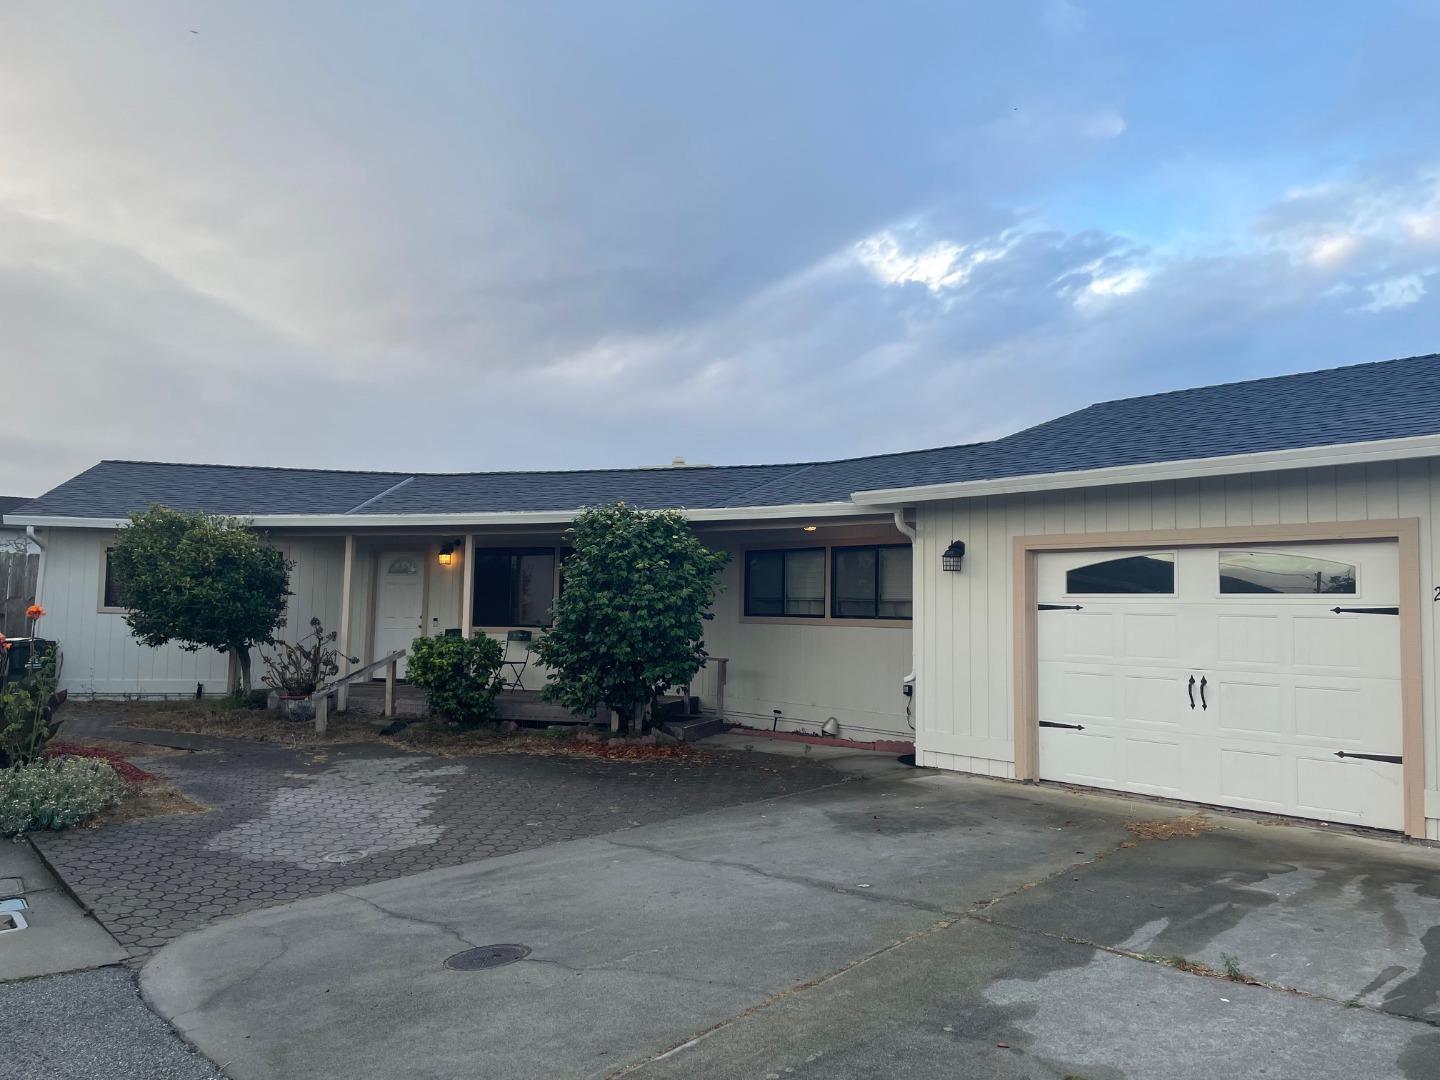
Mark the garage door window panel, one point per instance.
(1278, 573)
(1151, 574)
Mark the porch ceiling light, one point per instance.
(954, 555)
(809, 528)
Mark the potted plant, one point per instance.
(296, 671)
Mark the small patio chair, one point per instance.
(517, 666)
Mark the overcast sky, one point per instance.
(472, 236)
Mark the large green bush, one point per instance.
(460, 676)
(56, 794)
(629, 621)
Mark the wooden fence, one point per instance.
(17, 590)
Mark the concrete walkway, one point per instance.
(57, 934)
(929, 926)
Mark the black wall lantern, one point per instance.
(953, 556)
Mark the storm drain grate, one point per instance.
(487, 956)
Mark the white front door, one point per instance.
(399, 599)
(1226, 675)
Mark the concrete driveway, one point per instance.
(933, 926)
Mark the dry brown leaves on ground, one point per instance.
(1190, 825)
(422, 736)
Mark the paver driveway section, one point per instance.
(286, 824)
(929, 927)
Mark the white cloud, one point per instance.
(1333, 249)
(1396, 293)
(937, 266)
(1106, 124)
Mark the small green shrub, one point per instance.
(56, 794)
(254, 700)
(460, 676)
(26, 714)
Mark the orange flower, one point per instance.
(34, 611)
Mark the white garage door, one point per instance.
(1226, 676)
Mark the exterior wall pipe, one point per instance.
(34, 538)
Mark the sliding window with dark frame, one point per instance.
(513, 587)
(871, 582)
(786, 583)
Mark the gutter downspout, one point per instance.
(901, 524)
(909, 681)
(34, 538)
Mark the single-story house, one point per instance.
(1224, 595)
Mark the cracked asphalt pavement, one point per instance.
(932, 926)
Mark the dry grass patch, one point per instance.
(1172, 828)
(157, 799)
(226, 721)
(426, 736)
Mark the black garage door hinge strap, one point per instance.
(1059, 607)
(1366, 610)
(1072, 727)
(1392, 759)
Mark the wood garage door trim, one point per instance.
(1403, 531)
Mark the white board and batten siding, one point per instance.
(809, 669)
(964, 621)
(102, 657)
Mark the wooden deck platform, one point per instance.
(522, 706)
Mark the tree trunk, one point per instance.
(242, 658)
(637, 718)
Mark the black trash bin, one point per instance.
(24, 657)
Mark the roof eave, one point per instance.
(1305, 457)
(511, 517)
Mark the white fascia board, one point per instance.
(450, 521)
(51, 521)
(1306, 457)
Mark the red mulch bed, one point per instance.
(632, 752)
(131, 774)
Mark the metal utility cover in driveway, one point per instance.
(487, 956)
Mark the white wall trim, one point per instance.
(1305, 457)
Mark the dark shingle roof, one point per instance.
(1363, 403)
(10, 502)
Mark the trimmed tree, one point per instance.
(202, 581)
(628, 624)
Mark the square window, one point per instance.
(513, 587)
(872, 582)
(785, 582)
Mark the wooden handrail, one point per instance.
(321, 698)
(330, 688)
